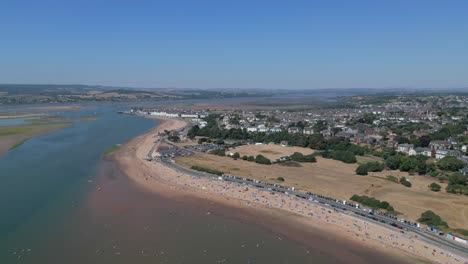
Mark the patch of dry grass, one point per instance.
(337, 179)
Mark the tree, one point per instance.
(236, 155)
(367, 118)
(375, 166)
(299, 157)
(434, 187)
(280, 179)
(219, 152)
(362, 169)
(424, 141)
(393, 162)
(260, 159)
(320, 125)
(193, 131)
(457, 178)
(413, 164)
(450, 163)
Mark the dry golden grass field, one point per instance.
(337, 179)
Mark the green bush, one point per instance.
(203, 169)
(236, 155)
(431, 219)
(251, 158)
(405, 182)
(362, 169)
(299, 157)
(244, 157)
(260, 159)
(375, 166)
(280, 179)
(218, 152)
(372, 202)
(434, 187)
(393, 162)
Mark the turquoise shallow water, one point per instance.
(52, 212)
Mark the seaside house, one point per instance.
(439, 145)
(406, 148)
(308, 131)
(423, 151)
(440, 154)
(294, 130)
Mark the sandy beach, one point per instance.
(291, 217)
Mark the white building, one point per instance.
(308, 131)
(440, 154)
(262, 128)
(275, 130)
(189, 116)
(406, 148)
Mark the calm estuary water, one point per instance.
(61, 203)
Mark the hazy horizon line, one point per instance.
(240, 88)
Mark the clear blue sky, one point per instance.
(228, 44)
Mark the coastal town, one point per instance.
(234, 132)
(412, 128)
(425, 143)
